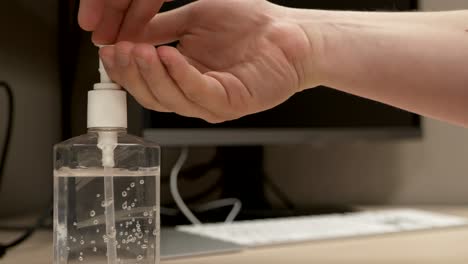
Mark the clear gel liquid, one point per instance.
(81, 234)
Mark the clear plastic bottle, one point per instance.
(106, 189)
(106, 215)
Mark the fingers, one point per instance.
(123, 70)
(168, 26)
(109, 26)
(204, 90)
(90, 14)
(113, 20)
(138, 15)
(193, 84)
(164, 86)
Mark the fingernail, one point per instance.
(123, 59)
(142, 63)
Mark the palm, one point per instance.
(244, 51)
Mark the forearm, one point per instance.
(414, 61)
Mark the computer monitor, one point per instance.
(320, 114)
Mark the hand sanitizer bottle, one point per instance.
(106, 188)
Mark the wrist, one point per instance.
(310, 59)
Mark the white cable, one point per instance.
(175, 189)
(235, 203)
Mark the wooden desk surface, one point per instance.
(448, 246)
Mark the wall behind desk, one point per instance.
(427, 171)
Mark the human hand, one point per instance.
(234, 58)
(113, 20)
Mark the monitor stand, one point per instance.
(242, 175)
(244, 178)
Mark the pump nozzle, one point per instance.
(103, 73)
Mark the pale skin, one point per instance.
(238, 57)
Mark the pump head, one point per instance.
(107, 103)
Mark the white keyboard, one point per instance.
(312, 228)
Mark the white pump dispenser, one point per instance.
(107, 104)
(107, 108)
